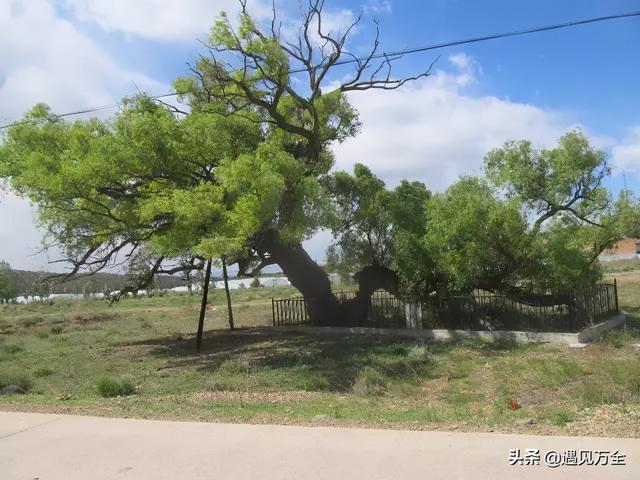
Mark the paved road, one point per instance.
(49, 447)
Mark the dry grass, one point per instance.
(256, 375)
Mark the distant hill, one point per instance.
(27, 281)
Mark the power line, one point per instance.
(487, 37)
(397, 53)
(88, 110)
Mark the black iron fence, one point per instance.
(550, 312)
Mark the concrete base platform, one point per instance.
(586, 335)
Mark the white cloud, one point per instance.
(378, 6)
(19, 239)
(46, 59)
(432, 131)
(626, 155)
(191, 19)
(162, 19)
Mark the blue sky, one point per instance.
(589, 73)
(89, 53)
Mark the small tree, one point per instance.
(89, 288)
(41, 286)
(8, 287)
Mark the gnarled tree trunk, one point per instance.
(370, 279)
(314, 284)
(308, 277)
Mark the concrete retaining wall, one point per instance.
(591, 333)
(586, 335)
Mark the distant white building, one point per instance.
(235, 283)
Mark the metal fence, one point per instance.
(550, 312)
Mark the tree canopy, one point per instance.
(537, 220)
(242, 169)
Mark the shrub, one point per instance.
(420, 358)
(56, 329)
(20, 379)
(31, 321)
(13, 348)
(370, 382)
(109, 387)
(41, 371)
(561, 416)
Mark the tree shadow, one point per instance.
(332, 362)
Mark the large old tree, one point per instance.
(238, 173)
(240, 170)
(280, 81)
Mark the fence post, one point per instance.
(615, 292)
(273, 312)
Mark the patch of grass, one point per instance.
(555, 372)
(4, 325)
(537, 371)
(15, 378)
(455, 394)
(13, 348)
(42, 371)
(370, 382)
(56, 329)
(31, 321)
(617, 338)
(94, 317)
(625, 374)
(110, 387)
(560, 417)
(462, 364)
(596, 394)
(144, 323)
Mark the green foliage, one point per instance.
(13, 348)
(104, 185)
(475, 239)
(539, 221)
(248, 168)
(109, 387)
(42, 371)
(360, 220)
(562, 416)
(8, 289)
(56, 329)
(370, 222)
(31, 321)
(566, 179)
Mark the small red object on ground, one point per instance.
(513, 405)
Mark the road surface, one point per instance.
(50, 447)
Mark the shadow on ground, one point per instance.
(328, 363)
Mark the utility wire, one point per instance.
(494, 36)
(396, 54)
